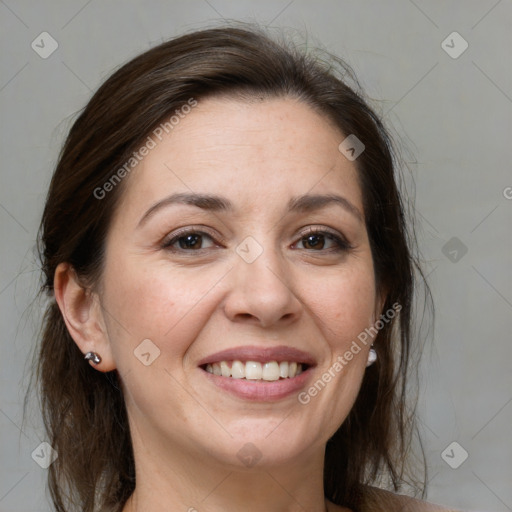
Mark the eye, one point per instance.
(187, 240)
(313, 240)
(323, 240)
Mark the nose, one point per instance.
(261, 292)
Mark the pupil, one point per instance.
(313, 240)
(189, 241)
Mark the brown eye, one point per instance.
(187, 241)
(316, 241)
(321, 240)
(192, 241)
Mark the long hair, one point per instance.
(83, 409)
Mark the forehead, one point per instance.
(250, 151)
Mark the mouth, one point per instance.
(268, 371)
(260, 374)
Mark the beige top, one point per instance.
(378, 500)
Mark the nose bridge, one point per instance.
(260, 264)
(260, 286)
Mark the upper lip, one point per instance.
(260, 354)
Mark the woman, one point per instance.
(226, 247)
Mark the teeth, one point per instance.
(225, 369)
(237, 370)
(254, 370)
(271, 371)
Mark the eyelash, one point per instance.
(341, 244)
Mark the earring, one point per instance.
(92, 356)
(372, 357)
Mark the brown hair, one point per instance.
(83, 409)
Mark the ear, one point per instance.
(83, 315)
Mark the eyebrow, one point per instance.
(304, 204)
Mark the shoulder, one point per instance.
(378, 500)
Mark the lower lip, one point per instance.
(260, 390)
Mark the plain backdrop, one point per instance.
(451, 108)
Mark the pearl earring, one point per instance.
(372, 356)
(92, 356)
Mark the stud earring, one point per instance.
(372, 357)
(92, 356)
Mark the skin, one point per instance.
(191, 303)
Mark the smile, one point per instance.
(254, 370)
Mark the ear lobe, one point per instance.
(82, 315)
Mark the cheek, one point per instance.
(343, 305)
(167, 306)
(170, 308)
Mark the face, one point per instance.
(262, 273)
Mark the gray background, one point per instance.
(454, 115)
